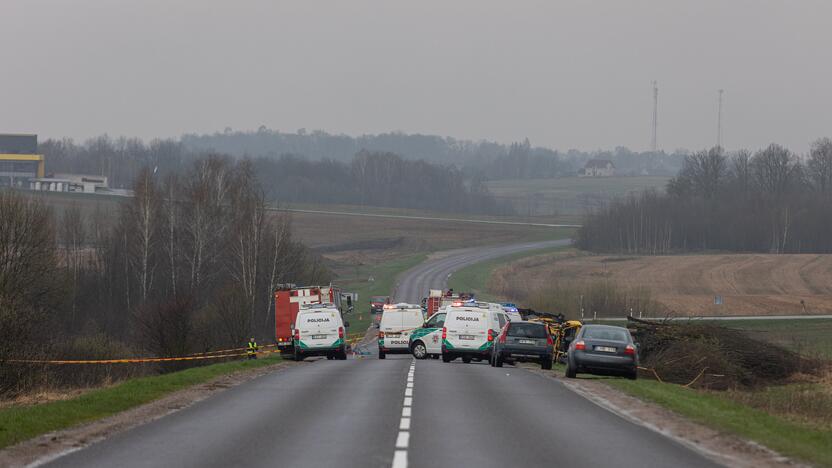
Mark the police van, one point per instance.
(319, 331)
(398, 321)
(470, 329)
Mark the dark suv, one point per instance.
(523, 341)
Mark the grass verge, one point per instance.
(722, 413)
(24, 422)
(384, 277)
(475, 278)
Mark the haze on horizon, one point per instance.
(564, 74)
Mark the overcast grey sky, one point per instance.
(565, 74)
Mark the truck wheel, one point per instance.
(341, 356)
(419, 350)
(466, 359)
(545, 363)
(498, 361)
(298, 355)
(381, 354)
(446, 357)
(633, 375)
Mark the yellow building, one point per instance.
(19, 160)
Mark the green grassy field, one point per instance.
(569, 196)
(720, 411)
(384, 276)
(19, 423)
(810, 337)
(475, 277)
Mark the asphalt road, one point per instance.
(413, 284)
(366, 412)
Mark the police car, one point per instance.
(319, 331)
(398, 321)
(470, 329)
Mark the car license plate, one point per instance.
(605, 349)
(526, 342)
(318, 337)
(466, 337)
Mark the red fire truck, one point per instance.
(438, 298)
(287, 301)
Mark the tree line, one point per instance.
(488, 159)
(186, 265)
(768, 201)
(372, 178)
(376, 179)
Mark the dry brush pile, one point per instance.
(714, 357)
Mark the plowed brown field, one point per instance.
(750, 284)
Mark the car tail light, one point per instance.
(380, 335)
(444, 333)
(297, 335)
(549, 339)
(630, 350)
(490, 335)
(341, 332)
(580, 345)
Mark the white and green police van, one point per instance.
(470, 331)
(319, 331)
(398, 321)
(462, 329)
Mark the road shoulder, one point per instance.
(47, 447)
(722, 447)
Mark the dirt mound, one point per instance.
(711, 356)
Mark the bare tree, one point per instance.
(143, 223)
(72, 240)
(706, 171)
(820, 165)
(249, 221)
(206, 205)
(281, 259)
(741, 170)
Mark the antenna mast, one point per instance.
(719, 120)
(653, 145)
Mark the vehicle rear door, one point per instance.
(467, 329)
(411, 320)
(318, 329)
(527, 337)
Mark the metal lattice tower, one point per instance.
(653, 144)
(719, 120)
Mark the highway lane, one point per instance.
(352, 414)
(317, 414)
(413, 284)
(476, 415)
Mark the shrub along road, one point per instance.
(367, 412)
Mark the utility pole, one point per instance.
(719, 120)
(653, 145)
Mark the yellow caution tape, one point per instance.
(190, 357)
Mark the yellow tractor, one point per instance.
(563, 331)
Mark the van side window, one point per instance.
(437, 321)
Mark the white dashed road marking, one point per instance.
(403, 439)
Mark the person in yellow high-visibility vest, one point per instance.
(252, 349)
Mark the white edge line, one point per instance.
(626, 415)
